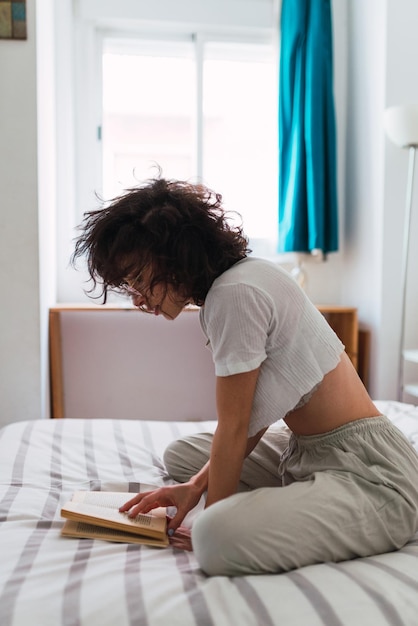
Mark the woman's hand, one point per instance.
(184, 497)
(182, 539)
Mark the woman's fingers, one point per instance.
(183, 497)
(182, 539)
(131, 502)
(140, 502)
(145, 502)
(175, 522)
(145, 506)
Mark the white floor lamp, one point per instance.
(401, 125)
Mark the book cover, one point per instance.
(95, 515)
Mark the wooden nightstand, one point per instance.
(344, 322)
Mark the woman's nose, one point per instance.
(138, 300)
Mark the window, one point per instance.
(149, 94)
(200, 108)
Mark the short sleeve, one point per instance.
(237, 320)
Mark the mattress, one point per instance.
(46, 579)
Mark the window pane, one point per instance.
(148, 113)
(240, 135)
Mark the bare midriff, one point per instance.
(340, 398)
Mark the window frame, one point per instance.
(89, 88)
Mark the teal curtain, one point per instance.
(308, 212)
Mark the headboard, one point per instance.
(109, 362)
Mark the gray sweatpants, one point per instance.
(348, 493)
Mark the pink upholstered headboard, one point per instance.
(122, 363)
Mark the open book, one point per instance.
(95, 515)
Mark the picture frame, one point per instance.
(13, 19)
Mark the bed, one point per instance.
(46, 579)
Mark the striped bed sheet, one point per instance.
(46, 579)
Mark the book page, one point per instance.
(108, 499)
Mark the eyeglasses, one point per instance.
(126, 288)
(130, 291)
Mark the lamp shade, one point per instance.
(401, 124)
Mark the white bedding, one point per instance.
(48, 580)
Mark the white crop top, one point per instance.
(256, 314)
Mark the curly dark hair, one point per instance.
(177, 229)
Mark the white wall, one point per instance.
(47, 180)
(20, 353)
(228, 13)
(363, 215)
(382, 72)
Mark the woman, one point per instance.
(339, 480)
